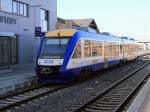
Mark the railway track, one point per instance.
(115, 97)
(10, 101)
(13, 100)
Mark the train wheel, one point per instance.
(81, 76)
(88, 71)
(124, 60)
(121, 61)
(84, 73)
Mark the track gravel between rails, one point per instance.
(63, 100)
(12, 101)
(116, 96)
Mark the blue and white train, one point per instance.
(67, 54)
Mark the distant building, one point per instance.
(18, 19)
(146, 44)
(107, 34)
(82, 24)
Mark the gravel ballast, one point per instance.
(64, 100)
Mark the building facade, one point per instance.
(18, 20)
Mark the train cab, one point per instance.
(51, 53)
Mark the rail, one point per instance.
(99, 102)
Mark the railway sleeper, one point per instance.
(115, 101)
(25, 96)
(105, 103)
(121, 90)
(5, 102)
(102, 108)
(92, 110)
(106, 106)
(117, 95)
(3, 105)
(111, 99)
(22, 97)
(34, 92)
(11, 100)
(118, 92)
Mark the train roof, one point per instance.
(61, 33)
(88, 35)
(100, 37)
(106, 38)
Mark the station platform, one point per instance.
(142, 101)
(16, 77)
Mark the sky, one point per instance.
(121, 17)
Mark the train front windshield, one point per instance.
(54, 48)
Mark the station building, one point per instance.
(18, 20)
(87, 24)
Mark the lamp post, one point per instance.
(34, 43)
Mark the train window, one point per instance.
(121, 49)
(115, 50)
(54, 48)
(87, 48)
(77, 52)
(107, 49)
(125, 48)
(100, 50)
(96, 48)
(132, 49)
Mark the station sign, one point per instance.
(38, 32)
(7, 20)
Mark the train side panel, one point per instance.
(91, 58)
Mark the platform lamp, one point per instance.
(34, 43)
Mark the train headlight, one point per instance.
(46, 70)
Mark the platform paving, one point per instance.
(16, 77)
(142, 101)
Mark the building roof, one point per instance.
(86, 23)
(83, 23)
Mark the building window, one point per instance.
(44, 20)
(6, 5)
(20, 8)
(25, 12)
(14, 6)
